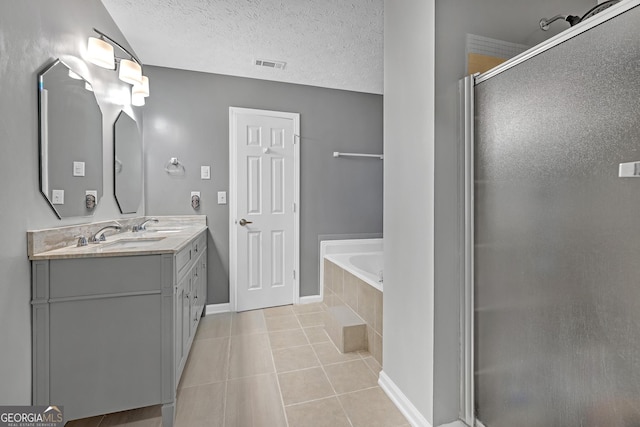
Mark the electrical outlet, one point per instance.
(57, 197)
(222, 197)
(195, 200)
(91, 199)
(205, 172)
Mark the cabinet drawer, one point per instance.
(199, 244)
(183, 261)
(100, 276)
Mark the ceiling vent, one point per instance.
(278, 65)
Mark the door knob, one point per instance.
(244, 222)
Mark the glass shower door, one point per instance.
(557, 235)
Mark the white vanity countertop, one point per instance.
(157, 239)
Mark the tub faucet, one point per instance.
(99, 236)
(143, 226)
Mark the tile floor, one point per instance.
(273, 367)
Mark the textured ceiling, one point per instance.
(328, 43)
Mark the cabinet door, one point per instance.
(186, 318)
(195, 290)
(203, 278)
(182, 325)
(178, 332)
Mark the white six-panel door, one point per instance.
(264, 175)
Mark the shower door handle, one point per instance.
(244, 222)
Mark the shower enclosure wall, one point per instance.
(556, 242)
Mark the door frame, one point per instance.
(234, 112)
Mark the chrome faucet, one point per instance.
(143, 225)
(99, 236)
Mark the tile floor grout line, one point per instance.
(283, 330)
(335, 394)
(329, 397)
(377, 374)
(290, 347)
(202, 384)
(284, 411)
(358, 391)
(226, 383)
(317, 366)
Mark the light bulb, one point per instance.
(137, 100)
(141, 89)
(100, 53)
(130, 72)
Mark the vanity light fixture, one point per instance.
(142, 88)
(130, 72)
(137, 100)
(100, 52)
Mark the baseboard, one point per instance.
(226, 307)
(416, 419)
(478, 423)
(218, 308)
(310, 299)
(456, 423)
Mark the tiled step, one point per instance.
(346, 329)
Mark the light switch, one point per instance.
(222, 197)
(57, 197)
(205, 172)
(78, 168)
(628, 170)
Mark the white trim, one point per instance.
(233, 187)
(415, 418)
(467, 386)
(478, 423)
(570, 33)
(217, 308)
(309, 299)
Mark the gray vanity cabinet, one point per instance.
(191, 295)
(113, 333)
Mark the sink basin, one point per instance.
(165, 230)
(131, 243)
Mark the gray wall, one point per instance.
(32, 34)
(512, 21)
(187, 116)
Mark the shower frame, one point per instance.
(466, 151)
